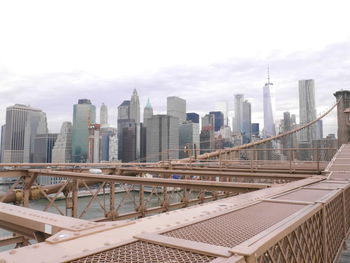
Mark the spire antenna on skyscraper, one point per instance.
(268, 76)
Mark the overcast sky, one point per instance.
(54, 52)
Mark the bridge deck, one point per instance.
(301, 221)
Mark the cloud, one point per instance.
(201, 86)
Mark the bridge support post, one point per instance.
(343, 114)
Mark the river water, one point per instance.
(94, 211)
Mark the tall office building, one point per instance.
(129, 130)
(23, 123)
(246, 122)
(2, 142)
(188, 137)
(94, 146)
(255, 129)
(176, 107)
(193, 117)
(113, 148)
(162, 138)
(103, 114)
(106, 142)
(135, 115)
(307, 109)
(268, 99)
(319, 130)
(208, 121)
(135, 107)
(223, 107)
(218, 120)
(147, 113)
(238, 104)
(62, 151)
(43, 146)
(84, 114)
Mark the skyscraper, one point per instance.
(103, 114)
(238, 104)
(135, 107)
(106, 142)
(43, 146)
(147, 113)
(84, 114)
(255, 129)
(23, 123)
(223, 107)
(2, 142)
(176, 107)
(246, 122)
(268, 99)
(193, 117)
(188, 136)
(162, 138)
(135, 115)
(307, 109)
(62, 151)
(219, 120)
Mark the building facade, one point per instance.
(23, 123)
(162, 138)
(307, 109)
(176, 107)
(84, 114)
(62, 150)
(103, 115)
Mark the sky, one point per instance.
(54, 52)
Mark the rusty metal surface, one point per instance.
(235, 227)
(140, 251)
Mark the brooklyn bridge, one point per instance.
(259, 202)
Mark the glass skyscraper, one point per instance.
(84, 114)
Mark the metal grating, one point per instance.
(347, 209)
(307, 195)
(140, 251)
(238, 226)
(334, 226)
(303, 245)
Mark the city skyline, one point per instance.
(39, 67)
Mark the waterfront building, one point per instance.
(62, 150)
(192, 116)
(84, 115)
(176, 107)
(23, 123)
(162, 138)
(103, 115)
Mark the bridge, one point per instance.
(258, 202)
